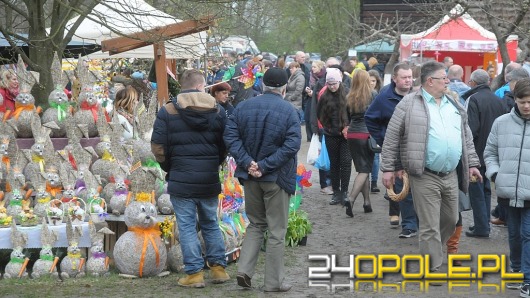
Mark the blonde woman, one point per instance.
(358, 99)
(124, 104)
(8, 88)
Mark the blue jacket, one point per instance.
(265, 129)
(380, 111)
(187, 141)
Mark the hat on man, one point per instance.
(333, 75)
(248, 53)
(275, 77)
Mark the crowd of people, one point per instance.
(415, 119)
(453, 139)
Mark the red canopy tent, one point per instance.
(466, 41)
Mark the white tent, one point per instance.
(124, 17)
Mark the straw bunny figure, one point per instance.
(72, 264)
(18, 198)
(8, 152)
(145, 172)
(140, 252)
(47, 263)
(59, 109)
(106, 162)
(25, 118)
(97, 263)
(121, 193)
(85, 180)
(41, 154)
(18, 261)
(89, 110)
(42, 197)
(73, 205)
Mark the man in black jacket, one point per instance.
(187, 141)
(483, 107)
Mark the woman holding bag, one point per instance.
(358, 100)
(332, 114)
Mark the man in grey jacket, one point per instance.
(420, 140)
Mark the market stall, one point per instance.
(460, 37)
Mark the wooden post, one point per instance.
(161, 73)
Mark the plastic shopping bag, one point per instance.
(322, 162)
(314, 150)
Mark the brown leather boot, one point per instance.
(452, 244)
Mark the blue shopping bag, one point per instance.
(322, 162)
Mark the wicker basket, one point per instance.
(76, 210)
(97, 209)
(55, 212)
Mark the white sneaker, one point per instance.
(326, 190)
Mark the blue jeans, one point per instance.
(375, 168)
(519, 240)
(409, 220)
(480, 197)
(186, 210)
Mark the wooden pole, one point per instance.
(161, 73)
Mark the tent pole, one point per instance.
(161, 73)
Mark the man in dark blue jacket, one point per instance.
(187, 141)
(483, 107)
(376, 118)
(263, 135)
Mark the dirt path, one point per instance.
(366, 233)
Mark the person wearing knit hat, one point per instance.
(221, 94)
(333, 115)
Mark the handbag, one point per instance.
(322, 162)
(314, 150)
(374, 147)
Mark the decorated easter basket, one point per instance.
(55, 212)
(5, 220)
(97, 209)
(76, 210)
(27, 218)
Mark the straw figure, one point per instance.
(60, 108)
(72, 264)
(140, 252)
(18, 261)
(98, 261)
(46, 265)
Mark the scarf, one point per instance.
(20, 108)
(79, 186)
(148, 235)
(53, 190)
(85, 106)
(7, 162)
(61, 109)
(40, 160)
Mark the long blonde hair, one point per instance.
(360, 94)
(126, 99)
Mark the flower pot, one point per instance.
(303, 241)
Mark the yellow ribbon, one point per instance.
(107, 156)
(40, 160)
(45, 200)
(74, 256)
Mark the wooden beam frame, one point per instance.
(156, 37)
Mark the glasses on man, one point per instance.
(332, 84)
(440, 78)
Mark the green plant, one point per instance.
(298, 226)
